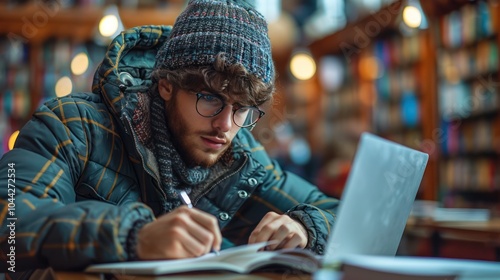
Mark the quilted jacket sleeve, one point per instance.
(303, 202)
(285, 192)
(41, 222)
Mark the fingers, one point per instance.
(264, 229)
(292, 241)
(202, 230)
(287, 232)
(195, 239)
(182, 233)
(187, 239)
(282, 235)
(210, 223)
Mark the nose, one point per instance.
(224, 120)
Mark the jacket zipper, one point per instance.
(142, 158)
(220, 179)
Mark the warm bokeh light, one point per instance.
(108, 25)
(80, 63)
(302, 66)
(371, 68)
(64, 86)
(12, 139)
(412, 16)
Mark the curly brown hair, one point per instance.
(222, 77)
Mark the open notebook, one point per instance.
(376, 203)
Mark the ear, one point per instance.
(165, 89)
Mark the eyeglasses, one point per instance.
(210, 105)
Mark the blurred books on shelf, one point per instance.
(469, 110)
(25, 85)
(461, 214)
(430, 210)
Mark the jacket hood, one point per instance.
(125, 71)
(123, 80)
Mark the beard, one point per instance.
(184, 139)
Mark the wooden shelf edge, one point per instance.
(35, 23)
(359, 34)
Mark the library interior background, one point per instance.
(421, 73)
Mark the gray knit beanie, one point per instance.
(208, 27)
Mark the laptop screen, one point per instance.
(377, 199)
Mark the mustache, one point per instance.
(215, 133)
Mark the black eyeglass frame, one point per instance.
(199, 95)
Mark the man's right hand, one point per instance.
(183, 233)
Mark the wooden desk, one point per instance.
(75, 276)
(228, 276)
(485, 232)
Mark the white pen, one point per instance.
(186, 200)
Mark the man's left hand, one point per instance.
(288, 232)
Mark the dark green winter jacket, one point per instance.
(80, 177)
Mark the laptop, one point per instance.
(377, 199)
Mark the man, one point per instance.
(98, 175)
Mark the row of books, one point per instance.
(393, 84)
(410, 137)
(459, 201)
(390, 116)
(15, 52)
(467, 100)
(454, 199)
(397, 109)
(468, 24)
(15, 98)
(344, 101)
(469, 105)
(469, 138)
(399, 51)
(468, 62)
(470, 174)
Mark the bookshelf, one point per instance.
(438, 91)
(39, 39)
(469, 110)
(343, 115)
(15, 102)
(397, 113)
(405, 109)
(389, 88)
